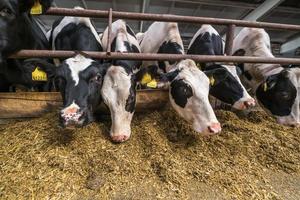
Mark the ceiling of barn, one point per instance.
(279, 11)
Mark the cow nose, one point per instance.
(296, 124)
(214, 128)
(71, 115)
(119, 138)
(249, 103)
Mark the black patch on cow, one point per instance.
(247, 75)
(130, 31)
(206, 44)
(129, 65)
(169, 47)
(77, 37)
(131, 101)
(151, 69)
(19, 71)
(181, 92)
(226, 88)
(280, 95)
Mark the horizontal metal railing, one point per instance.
(110, 14)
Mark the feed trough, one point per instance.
(34, 104)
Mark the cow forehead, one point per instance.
(78, 64)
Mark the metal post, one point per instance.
(108, 51)
(229, 39)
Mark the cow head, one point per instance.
(79, 80)
(10, 21)
(279, 95)
(119, 94)
(226, 86)
(189, 88)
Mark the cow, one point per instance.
(79, 78)
(16, 26)
(207, 41)
(19, 30)
(275, 88)
(119, 85)
(188, 86)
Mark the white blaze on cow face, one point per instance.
(76, 65)
(189, 97)
(118, 93)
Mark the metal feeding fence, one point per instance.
(110, 14)
(21, 105)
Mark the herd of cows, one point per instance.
(84, 83)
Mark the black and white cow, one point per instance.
(79, 78)
(19, 30)
(189, 87)
(276, 89)
(119, 85)
(16, 26)
(230, 90)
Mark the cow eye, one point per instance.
(97, 78)
(284, 95)
(5, 12)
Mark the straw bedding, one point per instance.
(164, 159)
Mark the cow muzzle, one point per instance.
(290, 123)
(72, 117)
(244, 104)
(211, 129)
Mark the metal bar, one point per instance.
(150, 56)
(229, 39)
(108, 51)
(169, 18)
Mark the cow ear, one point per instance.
(25, 6)
(216, 76)
(269, 83)
(240, 52)
(103, 68)
(47, 67)
(35, 6)
(170, 76)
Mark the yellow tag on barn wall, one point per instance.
(37, 9)
(146, 79)
(39, 75)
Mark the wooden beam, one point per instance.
(35, 104)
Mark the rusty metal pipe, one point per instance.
(108, 51)
(150, 56)
(229, 39)
(168, 18)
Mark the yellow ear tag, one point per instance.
(212, 81)
(265, 86)
(152, 84)
(146, 79)
(37, 8)
(39, 75)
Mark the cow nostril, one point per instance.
(249, 103)
(214, 128)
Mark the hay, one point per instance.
(164, 159)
